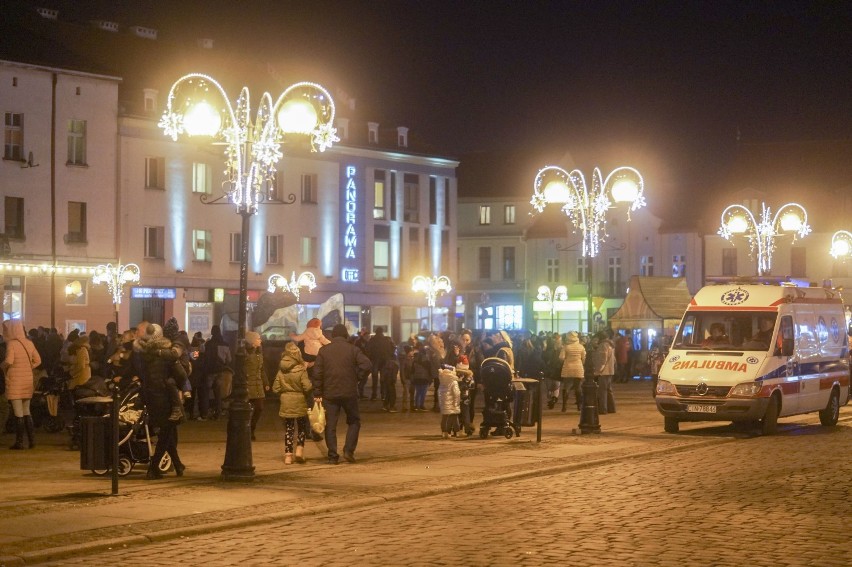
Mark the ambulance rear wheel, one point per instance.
(671, 425)
(831, 413)
(769, 423)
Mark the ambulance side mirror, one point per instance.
(787, 347)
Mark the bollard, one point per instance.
(589, 415)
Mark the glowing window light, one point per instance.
(202, 120)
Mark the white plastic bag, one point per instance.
(317, 417)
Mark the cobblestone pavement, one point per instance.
(782, 500)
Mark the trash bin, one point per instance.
(527, 400)
(95, 442)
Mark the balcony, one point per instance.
(608, 289)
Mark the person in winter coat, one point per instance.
(80, 369)
(154, 359)
(293, 385)
(217, 360)
(256, 380)
(121, 361)
(337, 372)
(573, 357)
(604, 369)
(313, 338)
(380, 349)
(466, 387)
(20, 360)
(425, 371)
(449, 396)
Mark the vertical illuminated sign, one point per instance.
(350, 235)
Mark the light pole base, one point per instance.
(589, 422)
(238, 465)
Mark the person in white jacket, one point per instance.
(449, 397)
(314, 340)
(573, 358)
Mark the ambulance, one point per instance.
(750, 354)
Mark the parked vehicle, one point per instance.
(753, 353)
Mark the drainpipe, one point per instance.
(53, 199)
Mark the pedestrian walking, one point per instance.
(293, 386)
(338, 369)
(18, 364)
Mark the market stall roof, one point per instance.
(653, 302)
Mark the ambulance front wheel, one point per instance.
(769, 423)
(671, 425)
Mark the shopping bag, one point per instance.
(317, 417)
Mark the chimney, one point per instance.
(105, 25)
(402, 136)
(143, 32)
(373, 133)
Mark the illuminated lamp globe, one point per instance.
(737, 224)
(791, 222)
(556, 191)
(202, 120)
(297, 116)
(625, 191)
(840, 248)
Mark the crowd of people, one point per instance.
(183, 377)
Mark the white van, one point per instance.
(754, 353)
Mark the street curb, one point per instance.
(34, 557)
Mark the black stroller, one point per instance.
(134, 435)
(496, 377)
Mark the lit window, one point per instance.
(678, 266)
(76, 222)
(309, 247)
(236, 247)
(484, 214)
(154, 241)
(379, 195)
(13, 136)
(13, 297)
(201, 178)
(509, 317)
(155, 173)
(201, 247)
(77, 142)
(509, 214)
(646, 266)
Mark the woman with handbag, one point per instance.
(293, 386)
(21, 358)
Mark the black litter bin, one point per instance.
(95, 443)
(527, 400)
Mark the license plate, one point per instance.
(694, 408)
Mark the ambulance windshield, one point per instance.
(726, 330)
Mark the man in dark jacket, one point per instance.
(379, 350)
(338, 367)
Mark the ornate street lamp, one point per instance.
(432, 287)
(305, 279)
(738, 220)
(587, 208)
(841, 244)
(550, 299)
(198, 105)
(115, 277)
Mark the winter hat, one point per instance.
(154, 331)
(339, 330)
(170, 329)
(72, 336)
(573, 337)
(314, 322)
(252, 338)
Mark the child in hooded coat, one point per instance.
(314, 340)
(449, 398)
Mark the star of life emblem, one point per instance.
(734, 296)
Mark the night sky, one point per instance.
(668, 85)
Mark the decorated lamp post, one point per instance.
(279, 282)
(198, 105)
(549, 299)
(116, 277)
(841, 245)
(432, 287)
(738, 220)
(587, 207)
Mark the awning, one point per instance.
(654, 302)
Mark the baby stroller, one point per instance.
(134, 435)
(45, 403)
(496, 377)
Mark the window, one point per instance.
(77, 142)
(678, 266)
(154, 241)
(446, 201)
(582, 273)
(379, 195)
(309, 188)
(393, 195)
(615, 270)
(646, 266)
(236, 247)
(411, 198)
(155, 173)
(381, 252)
(275, 188)
(14, 226)
(13, 137)
(413, 251)
(201, 178)
(798, 264)
(509, 214)
(274, 247)
(309, 251)
(433, 200)
(445, 251)
(510, 317)
(552, 266)
(13, 297)
(201, 248)
(485, 263)
(76, 222)
(508, 262)
(484, 214)
(729, 261)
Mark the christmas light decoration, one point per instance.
(305, 279)
(841, 244)
(790, 218)
(116, 277)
